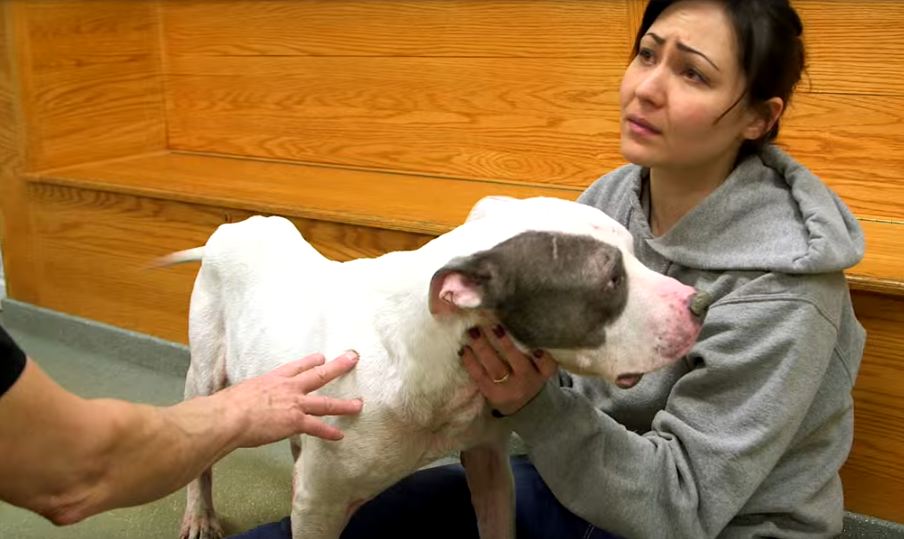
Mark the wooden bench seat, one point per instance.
(406, 202)
(882, 268)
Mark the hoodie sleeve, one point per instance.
(757, 366)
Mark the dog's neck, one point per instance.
(422, 346)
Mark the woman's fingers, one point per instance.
(476, 371)
(545, 363)
(496, 367)
(497, 346)
(506, 376)
(511, 354)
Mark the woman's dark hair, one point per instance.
(770, 47)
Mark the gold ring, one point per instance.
(501, 380)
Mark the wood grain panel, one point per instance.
(873, 476)
(842, 37)
(538, 120)
(21, 279)
(853, 46)
(882, 268)
(855, 144)
(94, 249)
(91, 84)
(634, 10)
(420, 204)
(343, 242)
(459, 28)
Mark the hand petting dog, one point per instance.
(506, 376)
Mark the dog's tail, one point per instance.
(179, 257)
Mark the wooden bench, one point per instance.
(131, 129)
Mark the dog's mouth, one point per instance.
(627, 381)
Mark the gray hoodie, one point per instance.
(745, 436)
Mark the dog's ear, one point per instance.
(460, 284)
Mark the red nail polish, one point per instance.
(474, 332)
(499, 331)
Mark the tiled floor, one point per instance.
(250, 486)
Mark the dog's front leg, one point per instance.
(489, 475)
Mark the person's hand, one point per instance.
(276, 405)
(506, 376)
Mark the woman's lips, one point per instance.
(639, 126)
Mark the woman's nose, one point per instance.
(651, 86)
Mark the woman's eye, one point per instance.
(695, 75)
(645, 54)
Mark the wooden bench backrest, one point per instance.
(518, 91)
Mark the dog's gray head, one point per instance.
(563, 277)
(549, 289)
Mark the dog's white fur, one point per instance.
(264, 296)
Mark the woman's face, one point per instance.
(685, 76)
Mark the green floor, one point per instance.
(250, 486)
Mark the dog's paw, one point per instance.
(203, 525)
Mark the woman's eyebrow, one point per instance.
(682, 47)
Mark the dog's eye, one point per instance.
(614, 282)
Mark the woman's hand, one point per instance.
(276, 405)
(506, 376)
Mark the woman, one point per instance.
(745, 437)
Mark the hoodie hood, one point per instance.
(770, 214)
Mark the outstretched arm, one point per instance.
(68, 458)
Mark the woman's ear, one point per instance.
(765, 115)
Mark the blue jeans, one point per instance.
(435, 504)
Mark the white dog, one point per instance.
(557, 275)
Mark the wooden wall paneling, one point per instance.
(91, 80)
(846, 122)
(96, 247)
(635, 9)
(523, 119)
(411, 203)
(346, 242)
(852, 46)
(342, 241)
(882, 269)
(523, 91)
(873, 476)
(445, 28)
(22, 280)
(855, 143)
